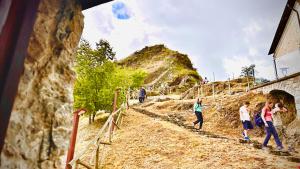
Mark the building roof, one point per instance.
(86, 4)
(283, 21)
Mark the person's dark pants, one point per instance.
(272, 131)
(141, 99)
(199, 119)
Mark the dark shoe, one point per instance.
(291, 150)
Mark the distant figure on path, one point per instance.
(142, 95)
(205, 81)
(266, 115)
(198, 112)
(245, 118)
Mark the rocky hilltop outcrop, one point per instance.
(40, 124)
(164, 67)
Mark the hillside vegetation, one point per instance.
(164, 67)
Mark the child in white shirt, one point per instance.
(245, 118)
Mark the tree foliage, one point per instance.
(248, 71)
(98, 77)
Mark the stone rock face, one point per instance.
(40, 125)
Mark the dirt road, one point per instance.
(147, 142)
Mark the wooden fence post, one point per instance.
(115, 107)
(97, 158)
(229, 86)
(115, 101)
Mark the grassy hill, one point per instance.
(164, 67)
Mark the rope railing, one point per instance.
(103, 137)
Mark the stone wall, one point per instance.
(290, 85)
(40, 125)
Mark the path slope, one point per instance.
(146, 142)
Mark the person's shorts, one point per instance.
(247, 125)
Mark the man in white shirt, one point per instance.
(245, 118)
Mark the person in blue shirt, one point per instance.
(198, 112)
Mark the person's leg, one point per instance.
(140, 99)
(245, 134)
(249, 128)
(200, 120)
(279, 130)
(268, 136)
(276, 137)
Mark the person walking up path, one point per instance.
(198, 112)
(245, 118)
(266, 116)
(142, 95)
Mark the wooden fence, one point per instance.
(103, 138)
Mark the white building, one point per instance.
(286, 43)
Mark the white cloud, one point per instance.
(125, 36)
(252, 51)
(251, 32)
(206, 33)
(233, 65)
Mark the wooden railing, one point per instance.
(184, 94)
(103, 138)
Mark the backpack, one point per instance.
(258, 120)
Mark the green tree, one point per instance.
(98, 77)
(248, 71)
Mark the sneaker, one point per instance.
(291, 150)
(247, 138)
(264, 147)
(279, 148)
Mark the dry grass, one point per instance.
(145, 142)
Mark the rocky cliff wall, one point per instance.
(40, 125)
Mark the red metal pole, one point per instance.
(73, 136)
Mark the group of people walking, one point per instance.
(269, 116)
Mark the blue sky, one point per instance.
(219, 36)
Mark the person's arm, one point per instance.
(275, 110)
(284, 109)
(194, 107)
(263, 112)
(241, 115)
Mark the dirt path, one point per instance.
(149, 142)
